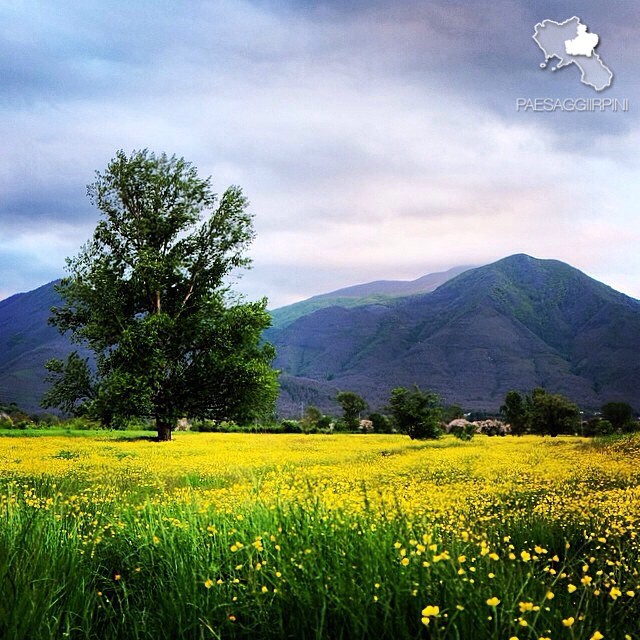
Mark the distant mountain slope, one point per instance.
(26, 343)
(377, 292)
(515, 324)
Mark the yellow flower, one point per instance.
(525, 555)
(264, 589)
(571, 588)
(525, 606)
(596, 636)
(550, 595)
(585, 580)
(404, 562)
(493, 602)
(431, 611)
(631, 593)
(208, 583)
(567, 622)
(615, 592)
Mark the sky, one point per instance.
(374, 140)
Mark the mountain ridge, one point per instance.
(517, 323)
(375, 292)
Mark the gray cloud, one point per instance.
(374, 140)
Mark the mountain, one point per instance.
(26, 343)
(515, 324)
(377, 292)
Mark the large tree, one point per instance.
(148, 296)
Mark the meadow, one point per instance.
(341, 536)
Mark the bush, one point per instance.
(464, 431)
(597, 427)
(381, 423)
(291, 426)
(617, 413)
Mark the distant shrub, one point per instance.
(82, 423)
(291, 426)
(619, 414)
(206, 426)
(325, 424)
(26, 424)
(597, 427)
(631, 426)
(381, 423)
(463, 431)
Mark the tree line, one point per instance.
(421, 415)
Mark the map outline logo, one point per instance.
(571, 43)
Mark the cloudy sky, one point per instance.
(374, 139)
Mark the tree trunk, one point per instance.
(164, 430)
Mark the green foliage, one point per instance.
(71, 388)
(352, 404)
(311, 417)
(464, 432)
(603, 428)
(619, 414)
(515, 413)
(291, 426)
(146, 294)
(415, 412)
(381, 423)
(541, 413)
(551, 414)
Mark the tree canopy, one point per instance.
(540, 412)
(148, 295)
(619, 414)
(352, 404)
(416, 412)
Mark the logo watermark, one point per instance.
(570, 44)
(572, 105)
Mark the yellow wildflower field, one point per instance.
(256, 535)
